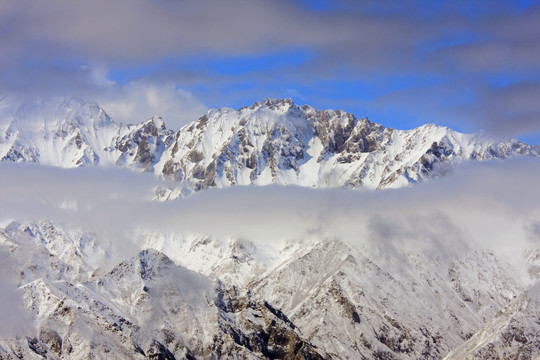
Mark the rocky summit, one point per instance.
(269, 142)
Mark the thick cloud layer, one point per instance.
(127, 30)
(492, 205)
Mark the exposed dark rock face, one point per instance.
(273, 336)
(276, 141)
(144, 144)
(148, 307)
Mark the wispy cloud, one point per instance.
(140, 100)
(490, 205)
(510, 110)
(16, 320)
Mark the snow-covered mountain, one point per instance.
(71, 133)
(144, 307)
(261, 273)
(274, 141)
(511, 334)
(318, 299)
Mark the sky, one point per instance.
(470, 65)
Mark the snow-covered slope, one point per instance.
(144, 307)
(512, 334)
(274, 141)
(319, 298)
(71, 133)
(108, 274)
(412, 312)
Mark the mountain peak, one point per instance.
(277, 102)
(59, 112)
(153, 125)
(158, 121)
(271, 141)
(146, 265)
(274, 104)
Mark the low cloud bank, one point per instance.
(490, 205)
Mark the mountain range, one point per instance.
(216, 298)
(197, 295)
(269, 142)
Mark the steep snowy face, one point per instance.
(146, 306)
(274, 141)
(141, 145)
(511, 334)
(320, 299)
(65, 133)
(72, 133)
(356, 304)
(264, 143)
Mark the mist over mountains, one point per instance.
(94, 266)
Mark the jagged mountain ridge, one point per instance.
(146, 306)
(273, 141)
(72, 133)
(309, 304)
(511, 334)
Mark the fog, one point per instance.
(15, 319)
(490, 205)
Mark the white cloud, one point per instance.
(134, 102)
(140, 100)
(98, 75)
(482, 205)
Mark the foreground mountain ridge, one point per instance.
(310, 303)
(116, 283)
(273, 141)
